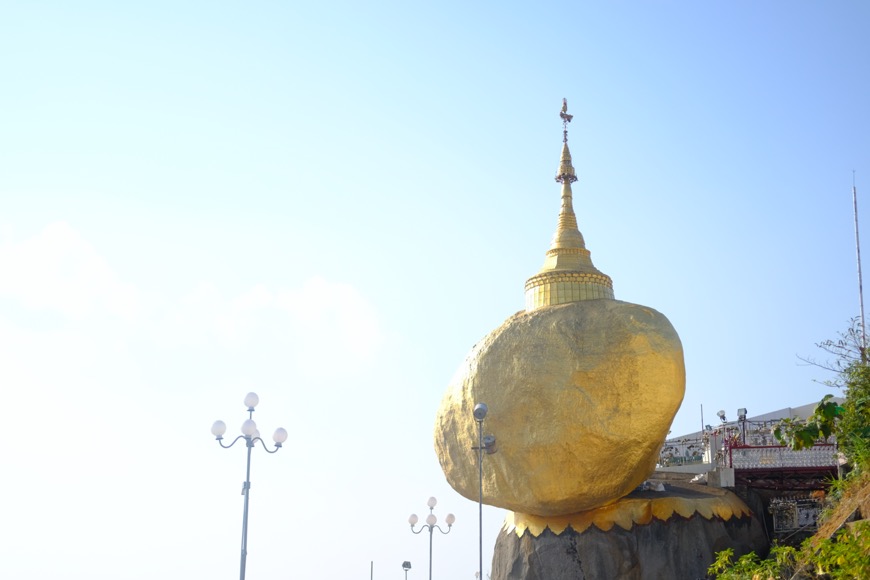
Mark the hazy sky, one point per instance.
(330, 203)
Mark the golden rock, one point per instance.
(581, 388)
(581, 397)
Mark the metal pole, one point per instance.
(246, 490)
(430, 547)
(860, 281)
(480, 492)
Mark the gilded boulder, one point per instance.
(581, 397)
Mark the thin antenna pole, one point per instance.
(860, 280)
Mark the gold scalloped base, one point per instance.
(637, 508)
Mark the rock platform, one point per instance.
(669, 535)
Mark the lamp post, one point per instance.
(483, 444)
(251, 435)
(430, 524)
(406, 565)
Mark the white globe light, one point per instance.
(249, 427)
(413, 519)
(280, 435)
(218, 428)
(432, 502)
(251, 400)
(450, 519)
(431, 519)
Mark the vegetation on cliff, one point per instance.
(843, 555)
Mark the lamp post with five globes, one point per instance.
(251, 435)
(431, 522)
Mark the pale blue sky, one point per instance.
(329, 204)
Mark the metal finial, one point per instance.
(566, 118)
(566, 170)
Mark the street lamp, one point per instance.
(406, 566)
(251, 435)
(483, 444)
(431, 526)
(741, 416)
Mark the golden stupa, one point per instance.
(581, 388)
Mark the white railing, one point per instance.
(748, 457)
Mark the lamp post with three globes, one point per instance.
(251, 435)
(431, 525)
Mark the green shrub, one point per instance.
(846, 557)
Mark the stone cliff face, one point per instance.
(676, 549)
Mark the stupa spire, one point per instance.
(568, 274)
